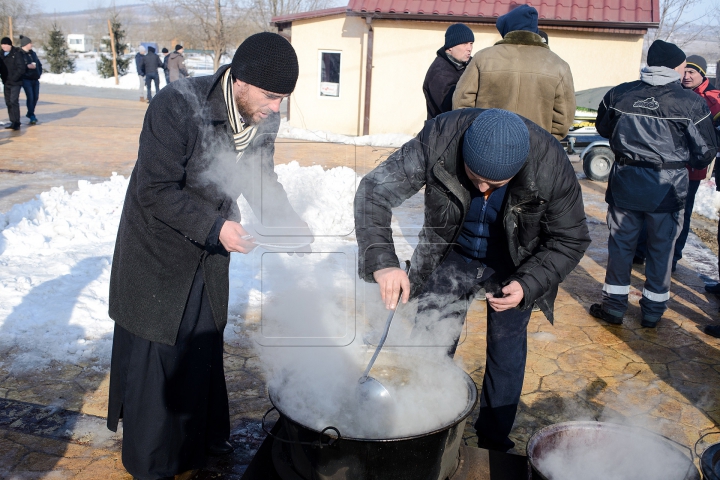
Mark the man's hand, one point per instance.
(391, 280)
(513, 295)
(235, 238)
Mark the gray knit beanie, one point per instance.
(496, 145)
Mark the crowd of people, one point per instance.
(148, 65)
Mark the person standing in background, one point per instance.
(446, 69)
(12, 69)
(141, 74)
(151, 64)
(176, 64)
(31, 78)
(520, 74)
(165, 65)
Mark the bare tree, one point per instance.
(21, 11)
(208, 24)
(262, 11)
(677, 23)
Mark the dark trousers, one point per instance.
(172, 399)
(445, 300)
(641, 250)
(12, 100)
(32, 92)
(149, 78)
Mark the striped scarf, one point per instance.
(242, 132)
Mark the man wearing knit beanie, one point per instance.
(31, 78)
(648, 183)
(445, 71)
(12, 69)
(205, 141)
(520, 73)
(504, 212)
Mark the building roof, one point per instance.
(284, 19)
(562, 12)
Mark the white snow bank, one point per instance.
(377, 140)
(707, 200)
(56, 252)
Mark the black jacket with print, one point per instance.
(655, 121)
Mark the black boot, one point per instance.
(713, 288)
(597, 312)
(712, 330)
(218, 449)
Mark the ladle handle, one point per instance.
(385, 331)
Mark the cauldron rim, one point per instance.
(706, 461)
(592, 425)
(472, 401)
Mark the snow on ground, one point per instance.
(707, 200)
(377, 140)
(56, 253)
(86, 72)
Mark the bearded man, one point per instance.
(205, 141)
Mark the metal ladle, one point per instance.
(372, 395)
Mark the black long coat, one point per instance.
(439, 84)
(14, 67)
(187, 176)
(543, 212)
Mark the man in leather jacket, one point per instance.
(503, 210)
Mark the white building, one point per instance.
(79, 42)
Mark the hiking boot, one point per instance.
(33, 120)
(597, 312)
(712, 330)
(713, 288)
(218, 449)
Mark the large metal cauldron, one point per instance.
(327, 455)
(598, 435)
(710, 462)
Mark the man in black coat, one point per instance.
(150, 64)
(503, 210)
(447, 68)
(656, 129)
(12, 71)
(205, 141)
(166, 54)
(31, 79)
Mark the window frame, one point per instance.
(320, 65)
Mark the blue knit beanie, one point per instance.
(496, 145)
(523, 17)
(456, 34)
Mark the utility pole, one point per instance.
(112, 46)
(10, 23)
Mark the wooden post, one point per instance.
(10, 24)
(112, 46)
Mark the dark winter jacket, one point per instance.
(187, 179)
(176, 66)
(139, 64)
(543, 213)
(151, 63)
(32, 73)
(165, 68)
(15, 66)
(655, 128)
(439, 84)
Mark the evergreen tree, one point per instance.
(56, 52)
(105, 64)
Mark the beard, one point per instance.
(242, 102)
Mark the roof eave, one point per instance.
(492, 20)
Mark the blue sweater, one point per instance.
(482, 234)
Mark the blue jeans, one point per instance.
(149, 78)
(641, 250)
(32, 92)
(445, 299)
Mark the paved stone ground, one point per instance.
(666, 379)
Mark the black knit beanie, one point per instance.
(178, 47)
(664, 54)
(268, 61)
(698, 63)
(6, 41)
(456, 34)
(151, 49)
(164, 50)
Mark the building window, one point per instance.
(329, 74)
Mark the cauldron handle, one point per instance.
(699, 439)
(317, 444)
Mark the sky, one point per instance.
(59, 6)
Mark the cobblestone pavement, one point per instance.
(666, 379)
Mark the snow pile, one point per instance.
(56, 252)
(86, 73)
(378, 140)
(707, 200)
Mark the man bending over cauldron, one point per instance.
(205, 141)
(503, 210)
